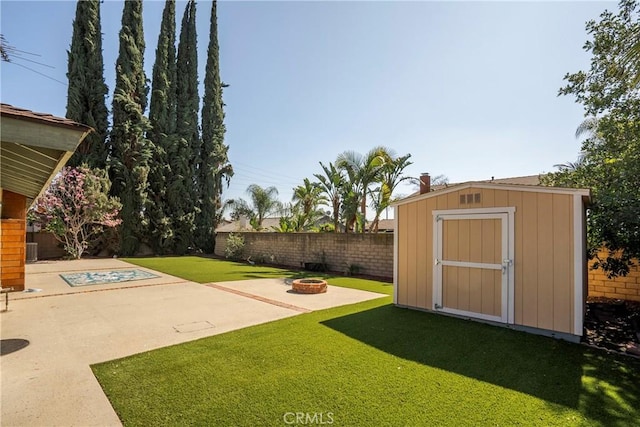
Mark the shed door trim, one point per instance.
(506, 215)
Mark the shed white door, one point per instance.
(473, 274)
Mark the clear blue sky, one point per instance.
(468, 88)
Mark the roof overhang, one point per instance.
(585, 193)
(33, 149)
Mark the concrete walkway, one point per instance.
(65, 330)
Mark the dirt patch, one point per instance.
(613, 324)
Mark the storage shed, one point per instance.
(509, 254)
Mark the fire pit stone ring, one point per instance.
(309, 286)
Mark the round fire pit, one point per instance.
(309, 286)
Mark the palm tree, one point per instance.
(588, 127)
(307, 198)
(361, 172)
(349, 209)
(264, 201)
(331, 183)
(391, 176)
(631, 59)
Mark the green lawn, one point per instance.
(373, 364)
(206, 270)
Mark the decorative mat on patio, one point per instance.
(102, 277)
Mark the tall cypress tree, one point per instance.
(183, 157)
(214, 166)
(162, 116)
(87, 89)
(130, 150)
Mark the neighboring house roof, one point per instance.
(384, 225)
(35, 146)
(516, 180)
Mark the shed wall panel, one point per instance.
(403, 255)
(527, 263)
(412, 285)
(562, 263)
(545, 261)
(421, 254)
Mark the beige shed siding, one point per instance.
(412, 274)
(543, 229)
(563, 282)
(543, 258)
(421, 247)
(404, 258)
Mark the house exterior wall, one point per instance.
(372, 253)
(12, 240)
(543, 252)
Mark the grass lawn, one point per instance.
(206, 270)
(373, 364)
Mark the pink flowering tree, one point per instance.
(76, 208)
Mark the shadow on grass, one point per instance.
(601, 386)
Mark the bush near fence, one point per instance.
(368, 254)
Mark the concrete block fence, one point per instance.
(627, 287)
(370, 254)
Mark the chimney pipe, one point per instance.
(425, 183)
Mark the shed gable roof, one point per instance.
(585, 193)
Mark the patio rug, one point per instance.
(103, 277)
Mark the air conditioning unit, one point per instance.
(32, 252)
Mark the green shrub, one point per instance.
(235, 247)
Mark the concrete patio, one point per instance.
(50, 338)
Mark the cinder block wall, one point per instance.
(372, 253)
(627, 287)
